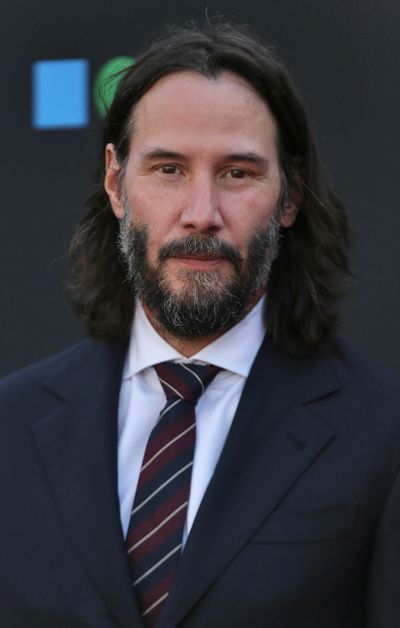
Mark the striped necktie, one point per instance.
(154, 539)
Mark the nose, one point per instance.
(201, 209)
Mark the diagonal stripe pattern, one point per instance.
(154, 539)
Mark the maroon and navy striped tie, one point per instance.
(154, 539)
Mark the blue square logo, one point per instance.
(60, 94)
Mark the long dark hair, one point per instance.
(307, 277)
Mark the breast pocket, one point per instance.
(300, 526)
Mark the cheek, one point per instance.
(154, 208)
(251, 213)
(157, 226)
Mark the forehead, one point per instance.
(187, 106)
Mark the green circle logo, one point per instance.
(106, 82)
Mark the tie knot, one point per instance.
(185, 381)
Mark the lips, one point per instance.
(201, 252)
(194, 261)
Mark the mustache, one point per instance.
(207, 245)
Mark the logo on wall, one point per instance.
(61, 91)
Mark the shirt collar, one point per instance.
(234, 351)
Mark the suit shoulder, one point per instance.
(354, 368)
(32, 375)
(35, 391)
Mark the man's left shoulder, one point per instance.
(366, 400)
(361, 374)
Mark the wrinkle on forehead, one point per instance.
(183, 82)
(212, 108)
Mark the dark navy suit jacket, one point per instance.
(299, 527)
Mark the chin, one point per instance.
(189, 281)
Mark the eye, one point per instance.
(237, 173)
(169, 169)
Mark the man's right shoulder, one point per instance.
(36, 391)
(35, 374)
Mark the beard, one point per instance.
(207, 303)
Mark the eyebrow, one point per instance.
(161, 153)
(250, 157)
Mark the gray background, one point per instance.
(344, 56)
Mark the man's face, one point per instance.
(200, 194)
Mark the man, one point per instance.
(212, 250)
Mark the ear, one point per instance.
(112, 182)
(292, 203)
(289, 214)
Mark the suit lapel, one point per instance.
(273, 439)
(77, 445)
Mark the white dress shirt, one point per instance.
(142, 399)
